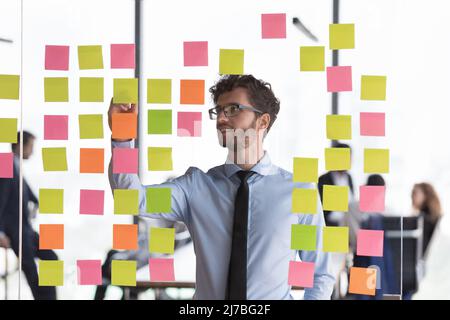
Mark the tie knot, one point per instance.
(244, 175)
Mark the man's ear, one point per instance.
(264, 121)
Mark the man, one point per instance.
(9, 221)
(239, 213)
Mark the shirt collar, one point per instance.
(263, 167)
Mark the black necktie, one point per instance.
(237, 273)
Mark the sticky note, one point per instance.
(89, 272)
(125, 160)
(312, 58)
(370, 243)
(9, 86)
(189, 124)
(123, 273)
(51, 201)
(125, 236)
(371, 198)
(124, 125)
(51, 273)
(159, 159)
(335, 239)
(91, 89)
(231, 61)
(159, 121)
(125, 90)
(92, 160)
(337, 159)
(162, 240)
(339, 79)
(161, 269)
(92, 201)
(56, 127)
(195, 53)
(373, 87)
(335, 198)
(339, 127)
(122, 56)
(273, 25)
(9, 130)
(372, 124)
(91, 126)
(305, 170)
(342, 36)
(126, 201)
(56, 89)
(51, 236)
(158, 200)
(159, 91)
(363, 281)
(303, 237)
(90, 57)
(54, 159)
(56, 57)
(301, 274)
(6, 164)
(376, 160)
(304, 200)
(192, 91)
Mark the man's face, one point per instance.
(28, 149)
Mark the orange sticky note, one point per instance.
(125, 236)
(124, 125)
(51, 236)
(363, 281)
(192, 91)
(92, 160)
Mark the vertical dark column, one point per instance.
(335, 62)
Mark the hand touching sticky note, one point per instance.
(125, 90)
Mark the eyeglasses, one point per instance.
(230, 110)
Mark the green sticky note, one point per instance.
(231, 61)
(54, 159)
(91, 89)
(373, 87)
(126, 201)
(162, 240)
(123, 273)
(304, 200)
(312, 58)
(159, 122)
(335, 198)
(306, 170)
(51, 273)
(335, 239)
(159, 159)
(159, 91)
(51, 200)
(376, 160)
(342, 36)
(90, 57)
(125, 90)
(337, 159)
(339, 127)
(91, 126)
(9, 86)
(303, 237)
(159, 200)
(8, 133)
(56, 89)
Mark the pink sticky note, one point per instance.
(339, 79)
(372, 123)
(370, 243)
(89, 272)
(195, 53)
(273, 25)
(92, 201)
(301, 274)
(189, 124)
(122, 56)
(56, 127)
(6, 164)
(161, 269)
(56, 57)
(371, 198)
(125, 160)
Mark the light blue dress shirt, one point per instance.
(205, 203)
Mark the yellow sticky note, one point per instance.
(90, 57)
(337, 159)
(126, 201)
(376, 160)
(162, 240)
(304, 200)
(342, 36)
(51, 273)
(312, 58)
(335, 239)
(335, 198)
(54, 159)
(51, 201)
(8, 132)
(91, 89)
(159, 91)
(91, 126)
(125, 90)
(9, 86)
(231, 61)
(339, 127)
(56, 89)
(123, 273)
(306, 170)
(373, 87)
(159, 159)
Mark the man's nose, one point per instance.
(221, 118)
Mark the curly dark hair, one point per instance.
(260, 93)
